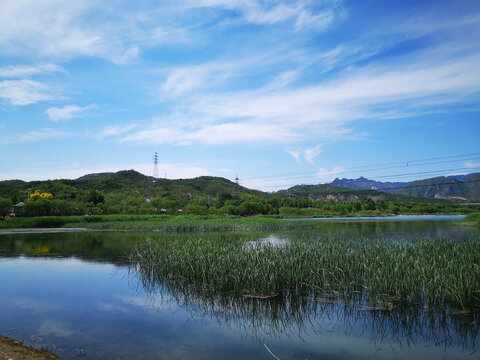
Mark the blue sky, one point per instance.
(278, 92)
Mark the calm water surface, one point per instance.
(74, 293)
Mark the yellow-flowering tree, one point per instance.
(38, 195)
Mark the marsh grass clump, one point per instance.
(158, 223)
(471, 220)
(189, 223)
(426, 273)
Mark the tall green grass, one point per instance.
(430, 274)
(471, 220)
(39, 222)
(201, 224)
(159, 223)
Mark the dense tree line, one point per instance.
(129, 192)
(224, 203)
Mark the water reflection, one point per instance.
(267, 242)
(84, 305)
(114, 247)
(300, 317)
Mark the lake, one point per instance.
(74, 293)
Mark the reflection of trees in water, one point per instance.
(292, 316)
(401, 230)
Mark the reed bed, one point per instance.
(427, 273)
(158, 223)
(471, 220)
(187, 223)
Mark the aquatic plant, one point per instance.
(471, 220)
(426, 273)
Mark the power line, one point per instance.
(341, 189)
(427, 172)
(441, 184)
(389, 176)
(382, 166)
(399, 175)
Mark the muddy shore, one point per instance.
(11, 349)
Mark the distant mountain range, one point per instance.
(341, 194)
(365, 184)
(456, 187)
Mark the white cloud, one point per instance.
(257, 15)
(295, 154)
(188, 79)
(472, 165)
(55, 28)
(57, 329)
(319, 21)
(184, 80)
(115, 130)
(280, 112)
(20, 71)
(68, 112)
(311, 154)
(329, 175)
(43, 134)
(173, 171)
(213, 134)
(25, 92)
(300, 13)
(268, 185)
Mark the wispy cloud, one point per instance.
(21, 71)
(472, 165)
(301, 14)
(25, 92)
(115, 130)
(329, 174)
(295, 154)
(312, 153)
(68, 112)
(322, 111)
(225, 133)
(268, 185)
(54, 171)
(43, 134)
(53, 28)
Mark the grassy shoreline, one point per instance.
(471, 220)
(161, 223)
(158, 223)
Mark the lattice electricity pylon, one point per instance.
(237, 185)
(155, 166)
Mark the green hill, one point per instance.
(129, 192)
(125, 183)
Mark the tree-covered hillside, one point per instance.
(129, 192)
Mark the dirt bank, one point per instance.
(15, 350)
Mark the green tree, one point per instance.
(5, 207)
(95, 197)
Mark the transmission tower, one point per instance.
(155, 166)
(155, 176)
(237, 185)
